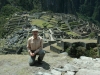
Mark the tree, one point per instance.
(26, 4)
(8, 10)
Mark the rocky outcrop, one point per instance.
(82, 66)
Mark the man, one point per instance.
(35, 47)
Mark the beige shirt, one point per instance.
(35, 44)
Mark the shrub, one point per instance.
(92, 53)
(80, 51)
(9, 10)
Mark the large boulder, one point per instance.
(88, 72)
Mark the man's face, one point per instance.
(35, 33)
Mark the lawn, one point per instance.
(37, 22)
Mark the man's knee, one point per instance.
(31, 61)
(31, 64)
(41, 52)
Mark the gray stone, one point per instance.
(39, 73)
(46, 74)
(69, 67)
(98, 39)
(97, 60)
(96, 65)
(55, 72)
(69, 73)
(59, 69)
(85, 58)
(83, 63)
(64, 53)
(88, 72)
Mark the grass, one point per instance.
(45, 17)
(39, 23)
(53, 21)
(73, 33)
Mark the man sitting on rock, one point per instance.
(35, 47)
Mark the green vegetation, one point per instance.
(73, 23)
(86, 9)
(41, 23)
(81, 51)
(9, 10)
(6, 12)
(2, 22)
(73, 33)
(92, 35)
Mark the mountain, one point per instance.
(86, 9)
(89, 8)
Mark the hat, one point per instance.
(35, 30)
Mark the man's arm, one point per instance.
(28, 46)
(40, 48)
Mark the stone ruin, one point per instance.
(18, 30)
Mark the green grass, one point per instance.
(39, 23)
(73, 33)
(45, 17)
(53, 21)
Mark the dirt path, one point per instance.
(18, 64)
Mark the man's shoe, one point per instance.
(39, 61)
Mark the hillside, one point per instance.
(85, 9)
(89, 8)
(53, 27)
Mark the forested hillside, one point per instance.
(89, 9)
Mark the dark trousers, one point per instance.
(41, 54)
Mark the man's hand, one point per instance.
(32, 54)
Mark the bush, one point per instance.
(2, 29)
(9, 10)
(92, 35)
(92, 53)
(80, 51)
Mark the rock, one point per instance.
(69, 73)
(39, 73)
(88, 72)
(46, 74)
(64, 53)
(96, 65)
(85, 58)
(69, 67)
(60, 69)
(83, 63)
(19, 50)
(97, 60)
(55, 72)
